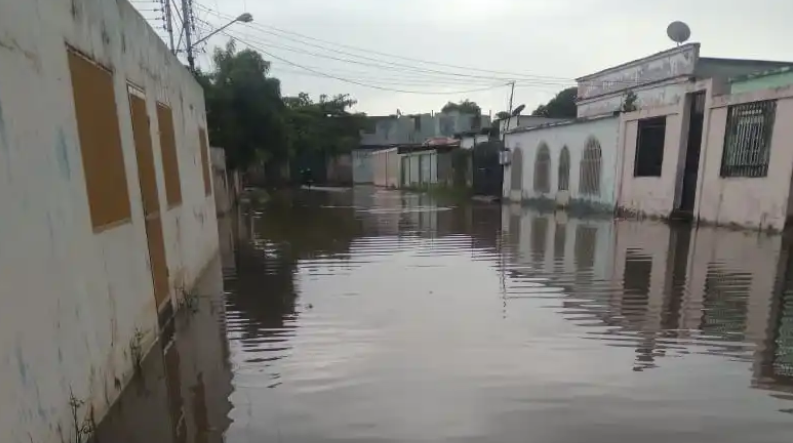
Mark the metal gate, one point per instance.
(488, 174)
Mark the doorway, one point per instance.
(151, 203)
(694, 146)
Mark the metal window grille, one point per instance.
(564, 169)
(516, 181)
(747, 141)
(542, 169)
(589, 174)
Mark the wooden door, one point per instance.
(148, 189)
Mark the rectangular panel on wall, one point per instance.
(144, 153)
(170, 160)
(100, 142)
(159, 265)
(202, 144)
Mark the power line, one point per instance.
(346, 80)
(439, 75)
(279, 32)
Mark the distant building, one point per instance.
(390, 131)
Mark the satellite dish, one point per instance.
(679, 32)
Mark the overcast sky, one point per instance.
(543, 44)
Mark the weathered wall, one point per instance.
(419, 168)
(362, 166)
(573, 135)
(758, 202)
(655, 79)
(224, 181)
(767, 80)
(651, 195)
(74, 302)
(386, 168)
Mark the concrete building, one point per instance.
(108, 213)
(713, 157)
(661, 154)
(390, 131)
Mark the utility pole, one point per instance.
(509, 119)
(169, 22)
(187, 23)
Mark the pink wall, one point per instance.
(651, 195)
(760, 202)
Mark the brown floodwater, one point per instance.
(369, 315)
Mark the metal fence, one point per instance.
(747, 139)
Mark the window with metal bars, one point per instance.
(589, 173)
(747, 139)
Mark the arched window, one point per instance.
(564, 169)
(542, 169)
(516, 182)
(589, 182)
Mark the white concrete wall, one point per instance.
(651, 195)
(73, 301)
(668, 93)
(574, 136)
(602, 92)
(386, 168)
(757, 202)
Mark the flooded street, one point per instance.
(380, 316)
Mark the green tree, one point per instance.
(629, 102)
(464, 107)
(502, 115)
(245, 113)
(327, 125)
(561, 106)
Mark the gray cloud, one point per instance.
(563, 39)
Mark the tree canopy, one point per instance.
(249, 118)
(464, 107)
(561, 106)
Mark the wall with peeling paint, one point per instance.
(75, 304)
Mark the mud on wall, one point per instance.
(77, 303)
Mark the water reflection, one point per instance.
(181, 392)
(375, 315)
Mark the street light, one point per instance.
(243, 18)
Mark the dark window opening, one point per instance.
(650, 147)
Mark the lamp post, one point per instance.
(243, 18)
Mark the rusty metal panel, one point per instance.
(144, 154)
(100, 142)
(202, 139)
(170, 161)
